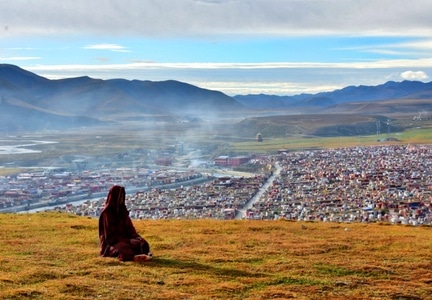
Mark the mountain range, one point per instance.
(32, 102)
(391, 90)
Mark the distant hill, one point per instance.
(405, 90)
(351, 111)
(60, 103)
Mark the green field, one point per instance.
(414, 136)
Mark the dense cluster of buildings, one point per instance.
(54, 187)
(360, 184)
(219, 198)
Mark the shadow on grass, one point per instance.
(198, 267)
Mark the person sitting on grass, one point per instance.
(117, 235)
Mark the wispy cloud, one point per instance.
(425, 44)
(19, 58)
(109, 47)
(418, 47)
(388, 52)
(382, 64)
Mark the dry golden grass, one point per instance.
(55, 256)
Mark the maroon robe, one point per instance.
(117, 234)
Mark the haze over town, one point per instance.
(234, 46)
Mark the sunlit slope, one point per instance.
(55, 256)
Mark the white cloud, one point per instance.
(110, 47)
(414, 75)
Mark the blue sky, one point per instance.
(279, 47)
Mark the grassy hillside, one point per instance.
(271, 145)
(55, 256)
(330, 125)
